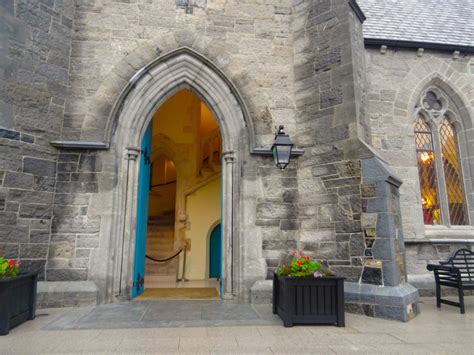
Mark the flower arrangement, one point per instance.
(8, 268)
(301, 265)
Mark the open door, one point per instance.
(142, 218)
(215, 253)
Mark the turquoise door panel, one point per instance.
(142, 217)
(215, 253)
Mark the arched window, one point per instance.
(439, 168)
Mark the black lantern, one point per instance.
(281, 148)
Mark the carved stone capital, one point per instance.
(229, 157)
(132, 153)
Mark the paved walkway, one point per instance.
(435, 331)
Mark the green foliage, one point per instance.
(302, 265)
(8, 268)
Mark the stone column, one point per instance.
(127, 245)
(227, 226)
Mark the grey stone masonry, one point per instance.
(396, 79)
(35, 44)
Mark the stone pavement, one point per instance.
(434, 331)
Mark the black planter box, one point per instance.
(17, 301)
(309, 300)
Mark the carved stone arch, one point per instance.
(149, 88)
(456, 97)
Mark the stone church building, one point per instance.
(133, 128)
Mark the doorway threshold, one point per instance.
(181, 293)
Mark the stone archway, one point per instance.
(148, 90)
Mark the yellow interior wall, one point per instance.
(162, 198)
(178, 118)
(203, 208)
(208, 123)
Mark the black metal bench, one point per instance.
(457, 272)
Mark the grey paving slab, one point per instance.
(157, 314)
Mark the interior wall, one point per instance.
(203, 210)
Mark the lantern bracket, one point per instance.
(295, 152)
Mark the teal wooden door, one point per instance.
(142, 217)
(215, 253)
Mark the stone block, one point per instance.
(66, 275)
(76, 187)
(384, 248)
(33, 251)
(328, 60)
(77, 224)
(357, 244)
(372, 275)
(18, 180)
(9, 250)
(30, 210)
(14, 234)
(8, 218)
(32, 197)
(273, 210)
(39, 167)
(330, 98)
(61, 250)
(87, 241)
(39, 236)
(348, 226)
(334, 251)
(89, 163)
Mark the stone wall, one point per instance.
(396, 78)
(330, 127)
(35, 44)
(250, 42)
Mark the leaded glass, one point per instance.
(427, 172)
(452, 173)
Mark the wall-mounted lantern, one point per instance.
(282, 149)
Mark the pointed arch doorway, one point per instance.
(149, 89)
(179, 200)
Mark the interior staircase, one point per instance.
(160, 242)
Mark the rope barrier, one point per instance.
(164, 260)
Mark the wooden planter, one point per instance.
(17, 301)
(309, 300)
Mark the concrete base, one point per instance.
(398, 303)
(66, 294)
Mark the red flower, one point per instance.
(307, 258)
(11, 263)
(299, 263)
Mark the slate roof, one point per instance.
(446, 22)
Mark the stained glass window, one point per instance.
(452, 173)
(439, 165)
(427, 172)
